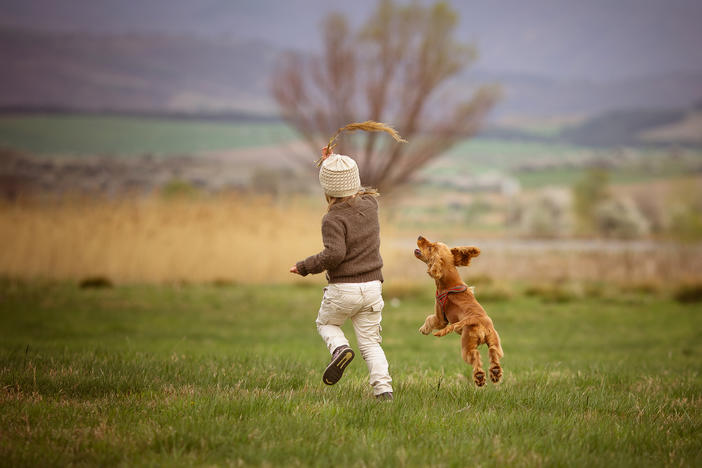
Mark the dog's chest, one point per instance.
(452, 307)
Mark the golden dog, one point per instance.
(456, 308)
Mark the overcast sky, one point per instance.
(592, 39)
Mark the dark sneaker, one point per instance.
(387, 396)
(341, 358)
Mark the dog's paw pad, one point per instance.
(479, 378)
(424, 331)
(495, 374)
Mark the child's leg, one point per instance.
(366, 324)
(330, 318)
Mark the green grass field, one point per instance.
(484, 154)
(125, 135)
(231, 375)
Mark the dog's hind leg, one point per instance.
(495, 352)
(470, 353)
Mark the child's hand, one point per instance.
(326, 151)
(293, 269)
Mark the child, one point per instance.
(351, 258)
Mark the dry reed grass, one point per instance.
(248, 239)
(663, 264)
(230, 238)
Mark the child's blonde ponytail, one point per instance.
(368, 126)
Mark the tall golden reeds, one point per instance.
(251, 239)
(229, 238)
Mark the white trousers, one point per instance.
(363, 304)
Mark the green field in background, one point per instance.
(231, 375)
(479, 156)
(124, 135)
(483, 154)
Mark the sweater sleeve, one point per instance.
(334, 239)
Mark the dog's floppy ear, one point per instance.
(462, 255)
(436, 266)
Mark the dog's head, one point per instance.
(439, 258)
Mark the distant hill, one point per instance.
(133, 72)
(533, 95)
(688, 130)
(637, 127)
(152, 72)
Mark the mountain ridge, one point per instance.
(157, 72)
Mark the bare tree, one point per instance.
(390, 70)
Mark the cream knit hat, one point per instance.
(339, 176)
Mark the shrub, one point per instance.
(560, 292)
(686, 222)
(595, 289)
(178, 188)
(95, 282)
(588, 192)
(495, 293)
(547, 216)
(405, 290)
(224, 283)
(687, 293)
(643, 287)
(652, 207)
(480, 280)
(620, 218)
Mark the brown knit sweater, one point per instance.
(351, 236)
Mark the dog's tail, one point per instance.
(456, 326)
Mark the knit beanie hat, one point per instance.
(339, 176)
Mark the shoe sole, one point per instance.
(335, 369)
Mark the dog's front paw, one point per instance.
(479, 378)
(424, 330)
